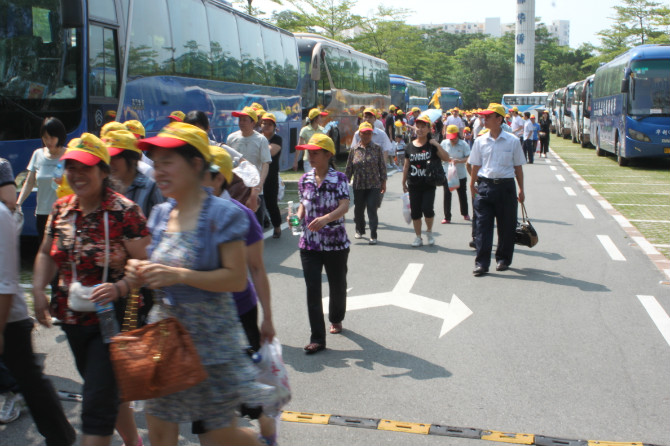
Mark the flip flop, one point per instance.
(314, 347)
(336, 328)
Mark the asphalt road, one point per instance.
(560, 345)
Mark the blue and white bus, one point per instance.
(580, 109)
(530, 102)
(87, 62)
(631, 105)
(407, 93)
(342, 81)
(449, 98)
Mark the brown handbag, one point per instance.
(155, 360)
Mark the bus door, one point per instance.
(103, 64)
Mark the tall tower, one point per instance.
(524, 48)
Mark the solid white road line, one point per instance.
(570, 191)
(585, 211)
(560, 178)
(651, 221)
(647, 247)
(657, 314)
(611, 248)
(639, 204)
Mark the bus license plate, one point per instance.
(666, 150)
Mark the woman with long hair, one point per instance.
(197, 258)
(421, 194)
(90, 235)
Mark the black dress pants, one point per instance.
(335, 263)
(366, 198)
(37, 390)
(495, 202)
(462, 192)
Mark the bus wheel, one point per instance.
(599, 151)
(572, 135)
(617, 149)
(582, 142)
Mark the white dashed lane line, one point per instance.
(560, 178)
(611, 248)
(553, 168)
(570, 191)
(657, 314)
(585, 211)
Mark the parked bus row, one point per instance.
(623, 109)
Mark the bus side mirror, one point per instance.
(624, 85)
(72, 13)
(316, 63)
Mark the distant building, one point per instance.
(559, 29)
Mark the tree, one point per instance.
(246, 6)
(331, 17)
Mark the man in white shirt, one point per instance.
(379, 136)
(255, 148)
(496, 160)
(528, 147)
(455, 119)
(517, 123)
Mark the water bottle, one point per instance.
(109, 326)
(293, 220)
(58, 176)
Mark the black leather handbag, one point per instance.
(526, 234)
(435, 175)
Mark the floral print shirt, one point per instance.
(87, 249)
(321, 200)
(366, 166)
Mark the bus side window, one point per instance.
(190, 39)
(291, 67)
(251, 46)
(224, 44)
(102, 62)
(274, 56)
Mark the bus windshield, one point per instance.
(449, 100)
(649, 88)
(40, 64)
(398, 96)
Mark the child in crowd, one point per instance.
(399, 151)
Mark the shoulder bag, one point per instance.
(153, 361)
(435, 175)
(79, 296)
(525, 232)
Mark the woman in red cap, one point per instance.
(90, 235)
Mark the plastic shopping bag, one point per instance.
(452, 177)
(281, 189)
(406, 212)
(272, 371)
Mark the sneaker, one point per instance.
(417, 242)
(466, 217)
(445, 221)
(11, 407)
(358, 235)
(431, 239)
(373, 241)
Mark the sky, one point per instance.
(586, 17)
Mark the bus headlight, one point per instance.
(638, 136)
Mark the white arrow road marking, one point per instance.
(452, 313)
(658, 315)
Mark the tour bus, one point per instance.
(449, 98)
(631, 104)
(407, 93)
(581, 112)
(567, 110)
(529, 102)
(550, 106)
(559, 109)
(78, 61)
(343, 82)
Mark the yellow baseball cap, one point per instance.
(117, 141)
(177, 115)
(513, 109)
(392, 108)
(313, 113)
(415, 109)
(400, 112)
(87, 149)
(111, 126)
(221, 162)
(247, 111)
(365, 127)
(372, 111)
(467, 130)
(494, 108)
(318, 141)
(256, 106)
(136, 128)
(269, 117)
(452, 132)
(398, 124)
(177, 134)
(425, 118)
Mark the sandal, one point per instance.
(336, 328)
(314, 347)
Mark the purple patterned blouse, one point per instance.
(318, 202)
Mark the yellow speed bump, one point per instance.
(303, 417)
(612, 443)
(508, 437)
(401, 426)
